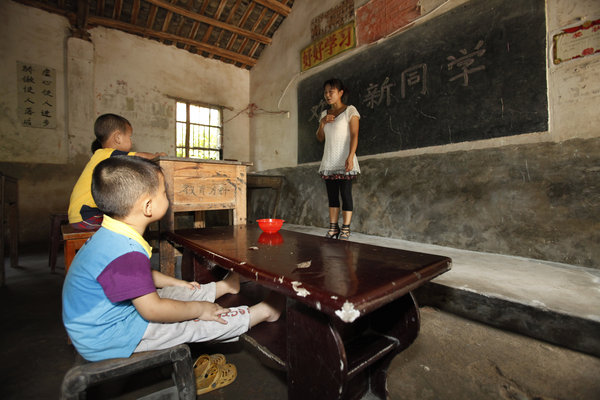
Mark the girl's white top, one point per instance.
(337, 144)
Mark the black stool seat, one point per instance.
(81, 376)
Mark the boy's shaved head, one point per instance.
(118, 183)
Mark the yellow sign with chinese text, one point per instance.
(328, 46)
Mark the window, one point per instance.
(199, 131)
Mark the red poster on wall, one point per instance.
(578, 41)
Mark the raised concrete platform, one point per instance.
(557, 303)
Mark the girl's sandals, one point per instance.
(334, 231)
(345, 232)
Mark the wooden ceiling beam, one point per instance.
(228, 20)
(210, 21)
(241, 23)
(83, 12)
(151, 17)
(138, 30)
(195, 25)
(255, 26)
(135, 11)
(218, 13)
(193, 33)
(265, 29)
(100, 7)
(276, 6)
(118, 8)
(167, 20)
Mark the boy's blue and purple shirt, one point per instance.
(110, 270)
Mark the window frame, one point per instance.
(188, 125)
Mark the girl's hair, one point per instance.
(339, 85)
(105, 125)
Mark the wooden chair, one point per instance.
(74, 240)
(85, 374)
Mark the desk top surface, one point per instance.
(340, 278)
(201, 160)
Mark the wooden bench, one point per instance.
(349, 309)
(85, 374)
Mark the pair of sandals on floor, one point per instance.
(213, 372)
(335, 232)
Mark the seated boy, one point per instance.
(113, 138)
(111, 307)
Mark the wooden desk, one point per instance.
(349, 306)
(9, 211)
(258, 181)
(200, 185)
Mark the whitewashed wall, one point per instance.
(137, 77)
(114, 72)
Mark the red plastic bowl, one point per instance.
(270, 225)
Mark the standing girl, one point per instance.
(339, 129)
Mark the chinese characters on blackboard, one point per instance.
(465, 62)
(415, 78)
(36, 86)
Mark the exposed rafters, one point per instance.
(210, 21)
(123, 26)
(233, 31)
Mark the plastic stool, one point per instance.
(55, 239)
(81, 376)
(74, 240)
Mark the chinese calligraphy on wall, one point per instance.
(328, 46)
(36, 86)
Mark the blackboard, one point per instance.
(475, 72)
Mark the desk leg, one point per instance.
(316, 360)
(403, 326)
(329, 361)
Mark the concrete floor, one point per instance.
(453, 358)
